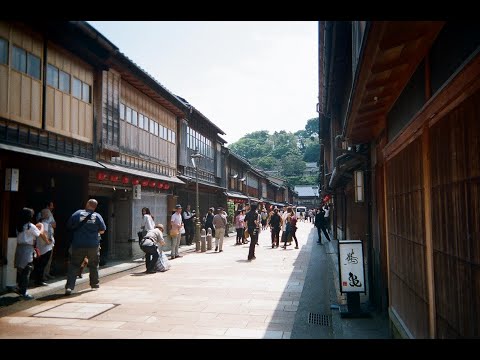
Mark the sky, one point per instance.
(244, 76)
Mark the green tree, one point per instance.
(312, 151)
(265, 163)
(250, 148)
(312, 127)
(293, 165)
(283, 144)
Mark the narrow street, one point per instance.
(203, 295)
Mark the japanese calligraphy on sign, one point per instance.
(352, 275)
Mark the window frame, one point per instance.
(13, 65)
(75, 81)
(60, 72)
(28, 72)
(7, 51)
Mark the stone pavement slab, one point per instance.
(203, 295)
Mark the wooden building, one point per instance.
(198, 135)
(78, 119)
(399, 133)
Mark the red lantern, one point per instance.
(166, 186)
(152, 184)
(144, 183)
(114, 178)
(135, 182)
(160, 185)
(125, 179)
(101, 176)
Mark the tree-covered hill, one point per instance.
(283, 151)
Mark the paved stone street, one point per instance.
(203, 295)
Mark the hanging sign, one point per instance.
(352, 271)
(137, 191)
(11, 179)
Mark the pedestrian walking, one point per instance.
(188, 217)
(320, 225)
(176, 223)
(45, 248)
(27, 234)
(275, 223)
(253, 221)
(49, 207)
(220, 224)
(86, 225)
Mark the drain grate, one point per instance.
(319, 319)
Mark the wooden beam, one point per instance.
(400, 64)
(370, 54)
(427, 208)
(401, 32)
(460, 86)
(371, 120)
(419, 47)
(371, 113)
(372, 85)
(428, 80)
(387, 242)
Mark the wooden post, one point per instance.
(387, 242)
(427, 196)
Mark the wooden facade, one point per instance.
(136, 139)
(20, 92)
(415, 101)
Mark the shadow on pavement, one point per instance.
(7, 301)
(52, 297)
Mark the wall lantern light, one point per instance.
(359, 186)
(144, 183)
(166, 186)
(160, 185)
(125, 179)
(101, 176)
(135, 182)
(114, 178)
(152, 184)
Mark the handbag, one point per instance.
(173, 232)
(246, 234)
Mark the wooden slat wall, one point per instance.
(67, 115)
(110, 104)
(406, 239)
(380, 246)
(455, 168)
(141, 141)
(20, 94)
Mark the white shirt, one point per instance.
(187, 215)
(41, 244)
(148, 223)
(176, 220)
(284, 220)
(327, 212)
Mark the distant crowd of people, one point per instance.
(35, 242)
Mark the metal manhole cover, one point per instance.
(76, 310)
(319, 319)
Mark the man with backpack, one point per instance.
(86, 225)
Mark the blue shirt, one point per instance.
(86, 236)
